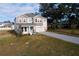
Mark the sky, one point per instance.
(8, 11)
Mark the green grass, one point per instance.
(11, 44)
(72, 32)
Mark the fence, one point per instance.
(6, 29)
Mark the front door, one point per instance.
(31, 29)
(24, 30)
(27, 30)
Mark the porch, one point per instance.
(27, 30)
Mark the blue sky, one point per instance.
(8, 11)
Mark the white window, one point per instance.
(24, 19)
(35, 20)
(25, 28)
(19, 20)
(40, 20)
(44, 20)
(29, 20)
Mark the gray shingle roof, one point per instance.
(28, 15)
(39, 16)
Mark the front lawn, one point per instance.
(72, 32)
(11, 44)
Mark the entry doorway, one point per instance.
(31, 29)
(24, 30)
(27, 30)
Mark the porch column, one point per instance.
(23, 29)
(29, 29)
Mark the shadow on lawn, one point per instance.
(14, 33)
(17, 34)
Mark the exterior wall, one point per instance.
(42, 28)
(39, 24)
(39, 29)
(45, 24)
(6, 28)
(23, 20)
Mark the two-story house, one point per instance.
(30, 23)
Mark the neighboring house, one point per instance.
(6, 26)
(1, 24)
(30, 23)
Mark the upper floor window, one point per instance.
(19, 20)
(40, 20)
(35, 20)
(44, 20)
(24, 20)
(29, 20)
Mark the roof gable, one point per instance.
(39, 16)
(27, 15)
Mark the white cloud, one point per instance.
(12, 10)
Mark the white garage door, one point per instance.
(39, 29)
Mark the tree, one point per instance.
(50, 10)
(56, 12)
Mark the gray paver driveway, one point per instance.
(62, 37)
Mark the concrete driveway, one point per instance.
(62, 37)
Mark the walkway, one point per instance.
(62, 37)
